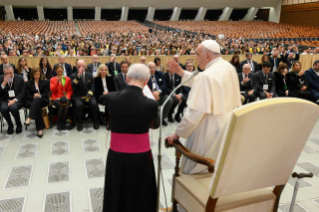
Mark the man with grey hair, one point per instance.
(248, 87)
(312, 77)
(5, 61)
(67, 69)
(92, 67)
(129, 166)
(176, 58)
(158, 86)
(114, 67)
(12, 96)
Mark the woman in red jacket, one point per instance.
(61, 87)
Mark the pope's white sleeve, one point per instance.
(185, 77)
(189, 122)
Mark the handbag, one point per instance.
(45, 117)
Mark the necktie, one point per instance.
(83, 76)
(125, 79)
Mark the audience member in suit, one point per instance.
(23, 69)
(265, 82)
(37, 96)
(5, 61)
(83, 94)
(45, 68)
(253, 64)
(60, 86)
(172, 81)
(176, 58)
(289, 58)
(67, 70)
(114, 67)
(12, 96)
(103, 86)
(281, 81)
(236, 63)
(264, 59)
(92, 67)
(158, 87)
(275, 59)
(247, 84)
(120, 80)
(312, 77)
(185, 91)
(297, 85)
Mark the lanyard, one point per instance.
(11, 84)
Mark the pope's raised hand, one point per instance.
(175, 68)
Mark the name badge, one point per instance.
(154, 86)
(115, 72)
(265, 87)
(11, 94)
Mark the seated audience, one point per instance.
(23, 69)
(12, 96)
(289, 58)
(265, 82)
(92, 67)
(37, 96)
(120, 80)
(172, 81)
(297, 85)
(247, 84)
(67, 70)
(129, 60)
(281, 80)
(113, 66)
(264, 59)
(143, 60)
(158, 87)
(249, 60)
(61, 87)
(45, 68)
(83, 94)
(176, 58)
(159, 66)
(5, 61)
(312, 78)
(236, 63)
(275, 59)
(103, 86)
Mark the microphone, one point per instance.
(159, 155)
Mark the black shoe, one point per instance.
(80, 127)
(63, 127)
(10, 130)
(170, 118)
(177, 118)
(59, 128)
(40, 135)
(96, 125)
(164, 123)
(101, 121)
(19, 129)
(26, 125)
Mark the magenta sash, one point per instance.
(130, 143)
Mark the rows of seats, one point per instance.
(248, 29)
(86, 27)
(38, 27)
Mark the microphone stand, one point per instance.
(159, 154)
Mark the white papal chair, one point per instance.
(259, 150)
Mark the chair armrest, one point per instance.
(198, 159)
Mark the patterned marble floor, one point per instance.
(64, 171)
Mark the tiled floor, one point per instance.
(64, 171)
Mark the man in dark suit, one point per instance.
(5, 61)
(158, 87)
(289, 58)
(275, 60)
(12, 96)
(312, 77)
(114, 67)
(265, 80)
(247, 84)
(67, 69)
(92, 67)
(172, 81)
(176, 58)
(83, 90)
(253, 64)
(120, 80)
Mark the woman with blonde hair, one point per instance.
(23, 69)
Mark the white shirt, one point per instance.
(104, 84)
(64, 71)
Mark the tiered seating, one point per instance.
(86, 27)
(247, 29)
(38, 27)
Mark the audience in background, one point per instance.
(67, 70)
(312, 78)
(247, 84)
(236, 63)
(249, 61)
(265, 82)
(281, 81)
(45, 68)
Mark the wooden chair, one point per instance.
(260, 147)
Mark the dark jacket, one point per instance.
(170, 87)
(290, 62)
(18, 86)
(81, 88)
(28, 74)
(280, 84)
(68, 69)
(248, 86)
(254, 64)
(48, 75)
(119, 82)
(90, 67)
(44, 87)
(312, 79)
(295, 83)
(277, 61)
(260, 80)
(111, 68)
(99, 89)
(161, 82)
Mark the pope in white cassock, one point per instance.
(214, 94)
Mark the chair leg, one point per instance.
(50, 116)
(1, 122)
(175, 206)
(74, 117)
